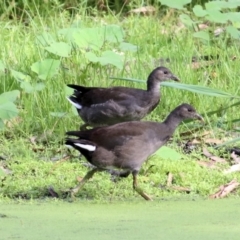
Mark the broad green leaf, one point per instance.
(168, 153)
(233, 16)
(202, 35)
(92, 57)
(19, 76)
(113, 33)
(45, 39)
(213, 5)
(216, 16)
(199, 12)
(186, 20)
(124, 46)
(109, 57)
(29, 88)
(46, 68)
(233, 3)
(9, 96)
(233, 32)
(189, 87)
(178, 4)
(219, 5)
(8, 110)
(89, 38)
(61, 49)
(68, 33)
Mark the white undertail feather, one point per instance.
(89, 147)
(78, 106)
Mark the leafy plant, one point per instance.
(215, 12)
(8, 109)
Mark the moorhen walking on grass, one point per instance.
(126, 145)
(107, 106)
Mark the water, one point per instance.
(172, 219)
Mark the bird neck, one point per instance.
(153, 86)
(172, 121)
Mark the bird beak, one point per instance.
(199, 117)
(175, 78)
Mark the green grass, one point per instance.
(32, 170)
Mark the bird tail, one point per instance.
(80, 144)
(73, 100)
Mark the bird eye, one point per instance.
(190, 110)
(165, 72)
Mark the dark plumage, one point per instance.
(126, 145)
(107, 106)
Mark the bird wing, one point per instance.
(111, 136)
(94, 96)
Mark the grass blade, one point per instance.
(189, 87)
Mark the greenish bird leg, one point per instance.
(138, 189)
(84, 180)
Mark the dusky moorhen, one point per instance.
(126, 145)
(107, 106)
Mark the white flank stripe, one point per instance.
(69, 146)
(86, 146)
(78, 106)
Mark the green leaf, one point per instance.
(68, 33)
(199, 12)
(199, 89)
(168, 153)
(61, 49)
(45, 39)
(186, 20)
(124, 46)
(189, 87)
(232, 3)
(213, 5)
(92, 57)
(29, 88)
(46, 68)
(9, 96)
(233, 17)
(8, 110)
(202, 35)
(178, 4)
(89, 38)
(216, 16)
(108, 57)
(233, 32)
(113, 33)
(19, 76)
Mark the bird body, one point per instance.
(108, 106)
(124, 145)
(127, 145)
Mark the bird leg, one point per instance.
(137, 189)
(83, 181)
